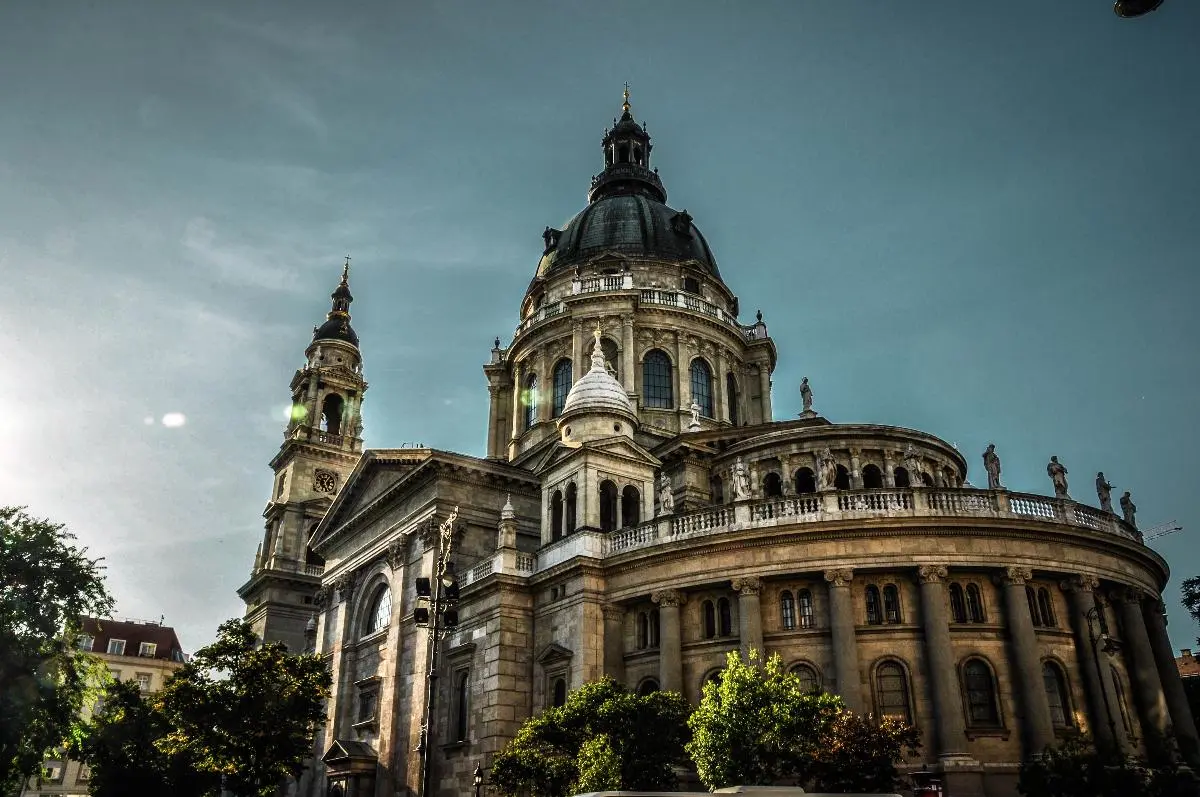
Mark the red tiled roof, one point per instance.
(134, 633)
(1188, 664)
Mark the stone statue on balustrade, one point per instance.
(806, 397)
(695, 424)
(991, 463)
(1058, 476)
(912, 461)
(666, 495)
(1128, 510)
(741, 481)
(1104, 493)
(826, 470)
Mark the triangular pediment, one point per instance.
(554, 653)
(608, 260)
(349, 749)
(376, 473)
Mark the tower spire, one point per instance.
(625, 104)
(337, 320)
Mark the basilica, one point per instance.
(640, 512)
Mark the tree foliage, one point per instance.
(244, 711)
(1190, 596)
(118, 747)
(1076, 769)
(603, 738)
(46, 585)
(760, 726)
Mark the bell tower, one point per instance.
(321, 445)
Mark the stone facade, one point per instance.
(994, 621)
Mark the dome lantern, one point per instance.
(627, 160)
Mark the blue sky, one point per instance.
(977, 219)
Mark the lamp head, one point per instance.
(478, 775)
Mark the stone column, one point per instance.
(720, 406)
(670, 642)
(545, 390)
(750, 615)
(856, 481)
(614, 642)
(939, 654)
(845, 644)
(1104, 722)
(1168, 673)
(683, 362)
(1027, 662)
(1147, 688)
(627, 365)
(764, 373)
(517, 416)
(578, 366)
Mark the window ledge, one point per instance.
(365, 725)
(378, 635)
(986, 733)
(450, 747)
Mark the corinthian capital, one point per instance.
(668, 597)
(613, 612)
(1016, 575)
(1081, 582)
(932, 574)
(841, 577)
(747, 585)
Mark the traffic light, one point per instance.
(423, 588)
(421, 616)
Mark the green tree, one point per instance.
(244, 711)
(1190, 596)
(758, 726)
(1076, 769)
(859, 755)
(603, 738)
(118, 746)
(46, 585)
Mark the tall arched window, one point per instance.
(647, 687)
(981, 694)
(891, 605)
(926, 479)
(710, 619)
(657, 390)
(975, 604)
(1119, 689)
(608, 506)
(702, 392)
(805, 605)
(529, 397)
(1031, 599)
(569, 519)
(810, 681)
(787, 610)
(958, 604)
(806, 481)
(380, 614)
(842, 480)
(556, 515)
(643, 630)
(1057, 695)
(331, 414)
(891, 692)
(562, 385)
(653, 628)
(718, 489)
(874, 616)
(1046, 607)
(560, 692)
(772, 485)
(631, 503)
(872, 477)
(725, 616)
(901, 477)
(731, 397)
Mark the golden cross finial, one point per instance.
(625, 105)
(346, 269)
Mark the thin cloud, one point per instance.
(241, 265)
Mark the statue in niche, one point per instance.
(806, 398)
(826, 470)
(741, 480)
(1128, 510)
(1104, 493)
(1058, 476)
(666, 495)
(991, 464)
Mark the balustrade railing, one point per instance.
(687, 301)
(701, 522)
(799, 507)
(314, 570)
(874, 501)
(604, 282)
(960, 502)
(544, 312)
(1032, 506)
(636, 537)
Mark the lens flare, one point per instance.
(173, 420)
(148, 420)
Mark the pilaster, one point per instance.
(845, 641)
(1027, 665)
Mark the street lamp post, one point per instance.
(436, 602)
(1102, 642)
(478, 781)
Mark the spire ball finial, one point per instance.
(625, 104)
(346, 271)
